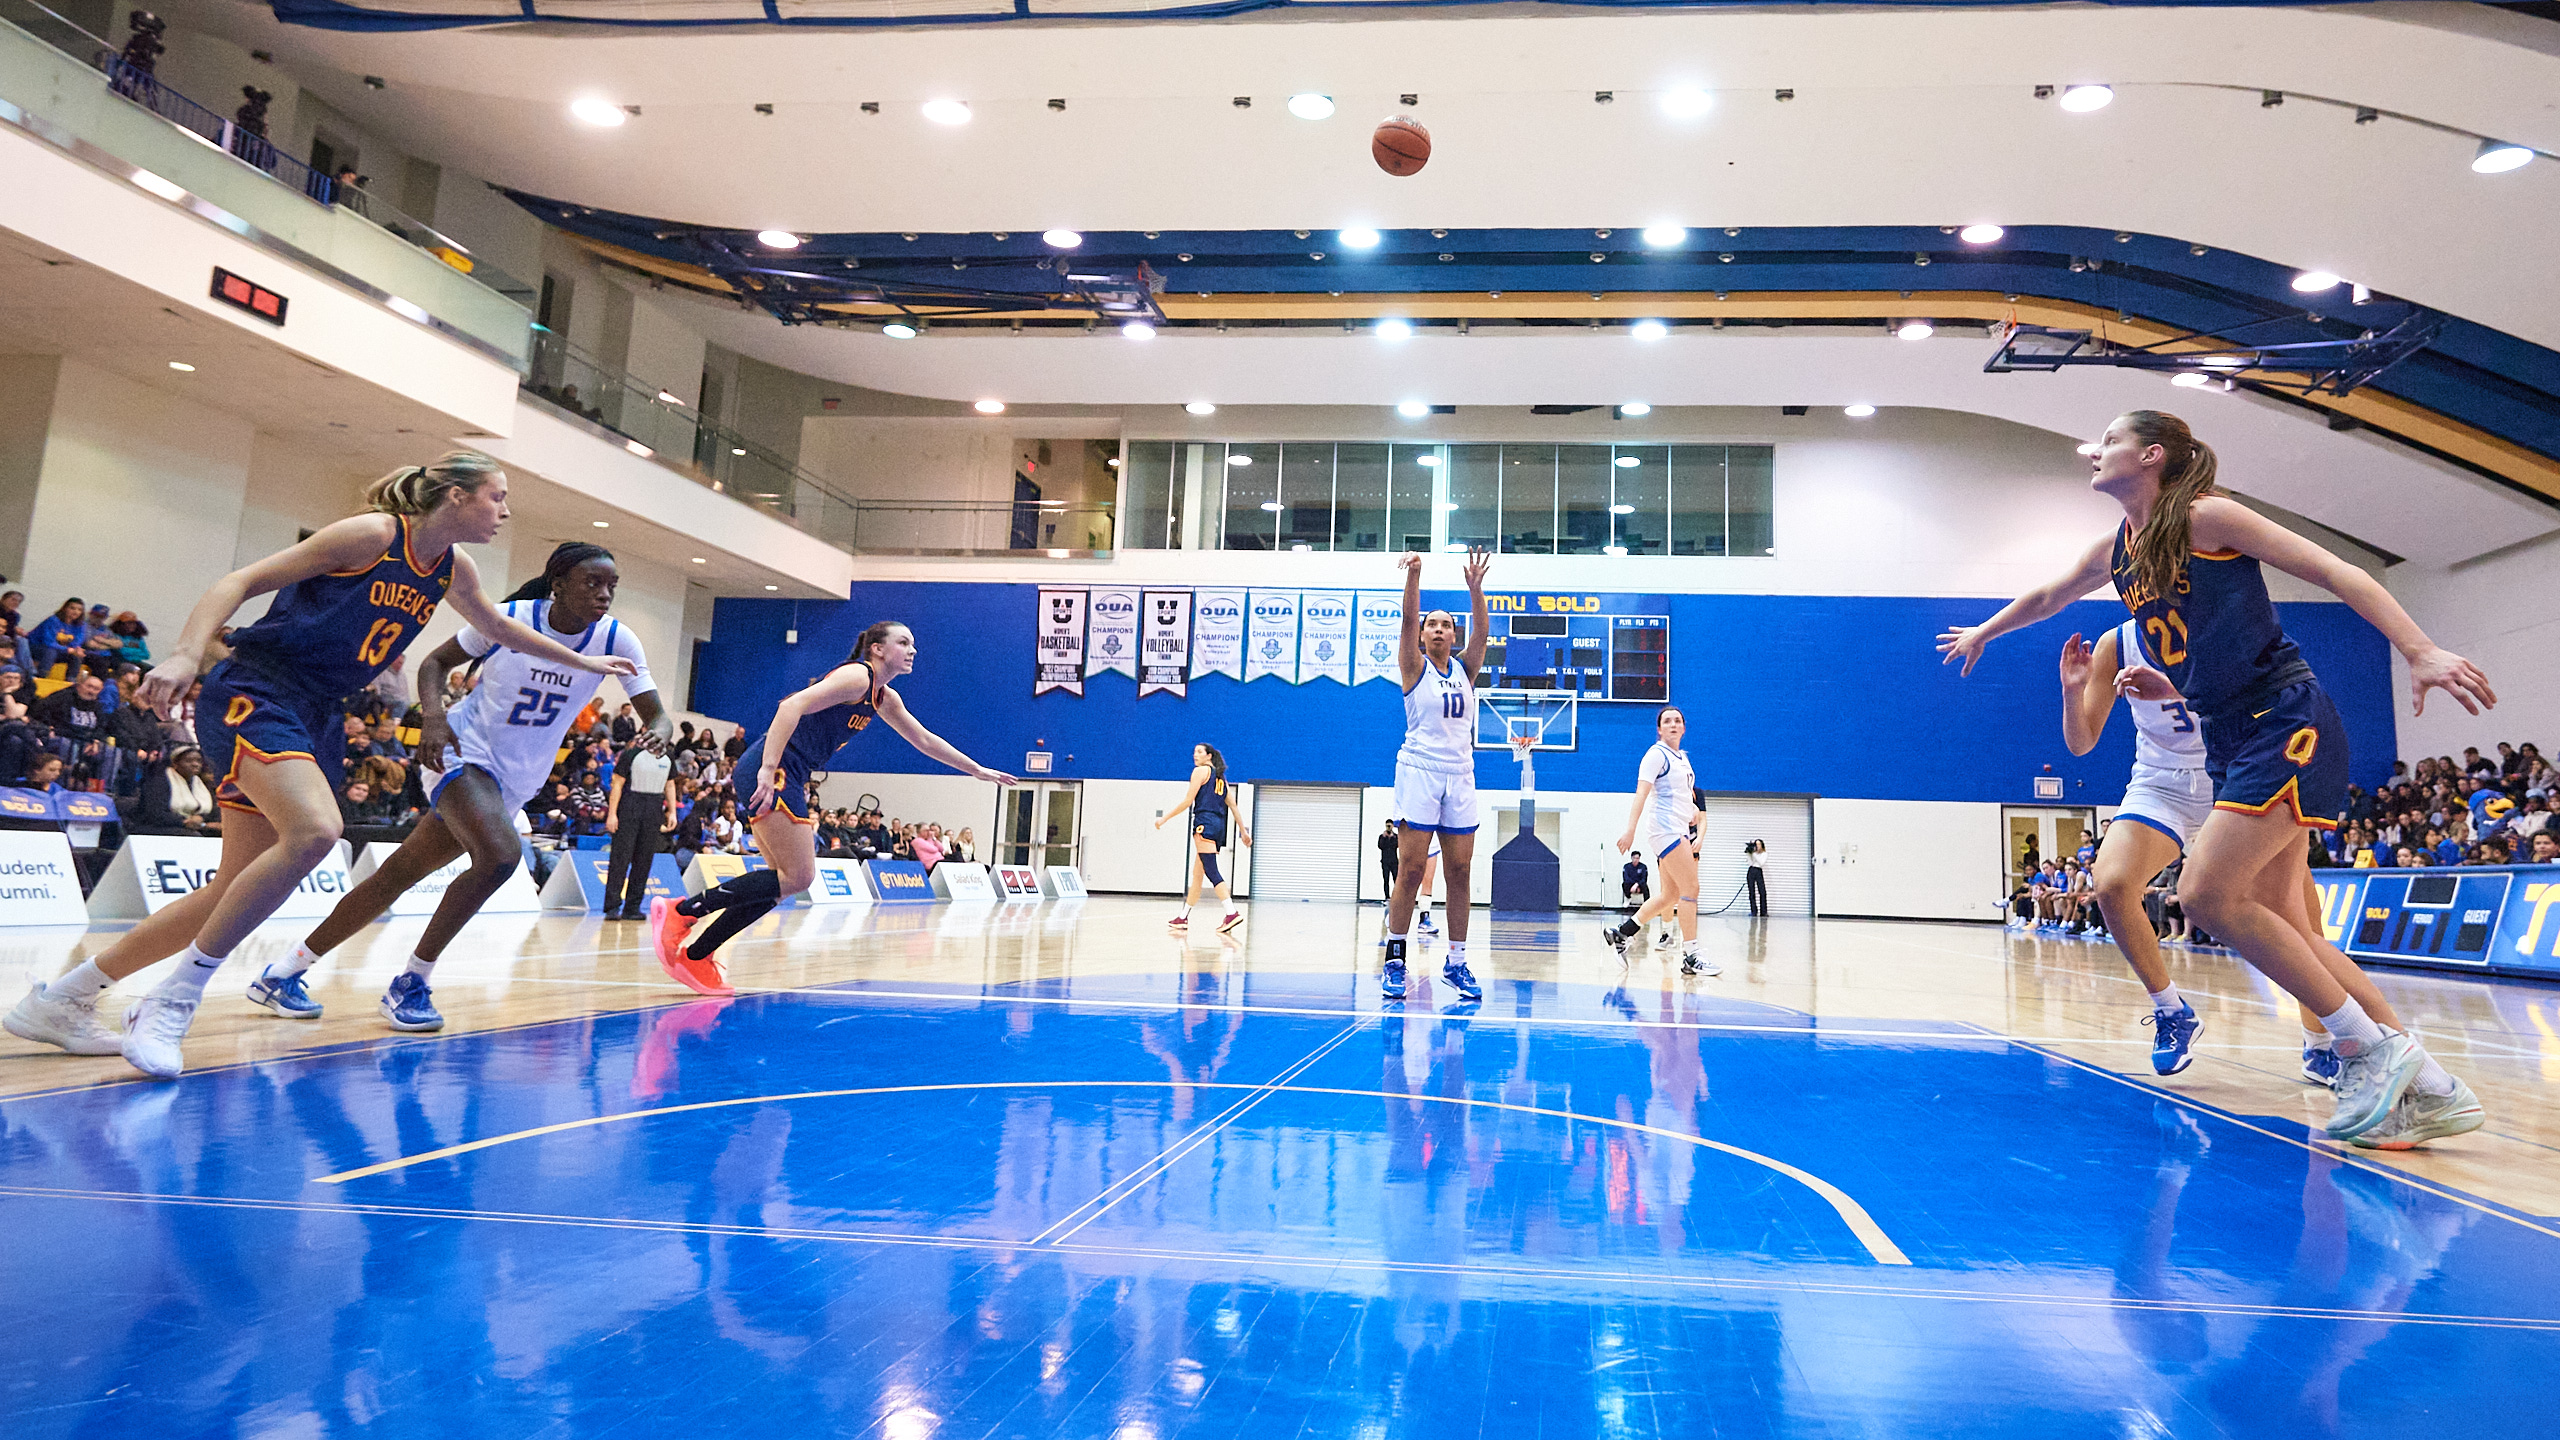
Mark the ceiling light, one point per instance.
(1858, 412)
(2497, 157)
(669, 397)
(602, 524)
(1913, 330)
(777, 240)
(1413, 409)
(1394, 328)
(1634, 408)
(1649, 330)
(636, 448)
(990, 407)
(1062, 239)
(698, 560)
(1302, 546)
(2085, 98)
(1311, 106)
(1271, 505)
(1113, 462)
(1662, 237)
(2190, 380)
(1980, 234)
(1427, 461)
(773, 587)
(1686, 104)
(406, 309)
(1613, 549)
(182, 367)
(898, 330)
(947, 112)
(2089, 450)
(1456, 547)
(165, 189)
(737, 449)
(1239, 459)
(1449, 505)
(1138, 330)
(2312, 282)
(1622, 509)
(1627, 462)
(1200, 407)
(598, 111)
(2224, 362)
(1357, 239)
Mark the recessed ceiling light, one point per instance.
(1686, 104)
(2085, 98)
(898, 330)
(1271, 505)
(2190, 380)
(1634, 409)
(990, 407)
(1413, 409)
(947, 112)
(698, 560)
(1913, 330)
(1361, 239)
(1663, 237)
(1239, 459)
(1426, 461)
(598, 111)
(1627, 462)
(2497, 157)
(1062, 239)
(1649, 330)
(777, 240)
(737, 449)
(1395, 328)
(669, 397)
(773, 587)
(182, 367)
(1311, 106)
(1980, 234)
(1200, 407)
(636, 448)
(1138, 330)
(1858, 412)
(2312, 282)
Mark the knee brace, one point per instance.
(1209, 867)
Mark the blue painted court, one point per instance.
(1248, 1206)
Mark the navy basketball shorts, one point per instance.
(1212, 828)
(246, 718)
(2291, 753)
(791, 797)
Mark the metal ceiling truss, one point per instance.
(2303, 367)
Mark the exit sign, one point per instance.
(248, 295)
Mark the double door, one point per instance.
(1041, 824)
(2042, 832)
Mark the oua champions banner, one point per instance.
(1111, 633)
(1166, 637)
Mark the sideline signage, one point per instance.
(839, 883)
(1064, 882)
(962, 880)
(38, 883)
(2504, 919)
(153, 870)
(577, 882)
(899, 881)
(716, 867)
(1018, 882)
(516, 895)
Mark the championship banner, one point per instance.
(1217, 633)
(1271, 635)
(1061, 662)
(1164, 656)
(1111, 634)
(1380, 626)
(1324, 636)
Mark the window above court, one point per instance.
(1526, 498)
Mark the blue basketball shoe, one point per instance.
(2320, 1066)
(286, 995)
(1391, 979)
(407, 1006)
(1463, 980)
(2173, 1033)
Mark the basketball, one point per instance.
(1400, 145)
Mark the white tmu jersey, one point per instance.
(1671, 786)
(2166, 734)
(1440, 721)
(512, 724)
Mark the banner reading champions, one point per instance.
(1167, 637)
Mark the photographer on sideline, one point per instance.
(1757, 879)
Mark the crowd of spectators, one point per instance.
(2481, 810)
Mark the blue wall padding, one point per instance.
(1823, 695)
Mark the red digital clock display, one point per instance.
(248, 295)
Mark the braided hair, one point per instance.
(569, 556)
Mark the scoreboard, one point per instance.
(1592, 647)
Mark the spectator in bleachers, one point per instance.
(735, 747)
(59, 641)
(179, 725)
(2406, 858)
(626, 725)
(103, 646)
(74, 713)
(965, 848)
(392, 687)
(2546, 848)
(357, 737)
(725, 832)
(43, 775)
(13, 632)
(358, 806)
(132, 645)
(176, 799)
(549, 811)
(386, 739)
(139, 741)
(926, 846)
(588, 803)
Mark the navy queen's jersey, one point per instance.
(1211, 802)
(821, 733)
(328, 636)
(2217, 638)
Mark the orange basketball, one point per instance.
(1400, 145)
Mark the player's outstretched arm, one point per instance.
(2223, 524)
(1479, 560)
(339, 545)
(2088, 690)
(435, 732)
(902, 720)
(1409, 640)
(2042, 603)
(472, 604)
(1190, 792)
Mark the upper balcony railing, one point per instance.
(73, 90)
(657, 425)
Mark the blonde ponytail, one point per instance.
(2187, 470)
(419, 489)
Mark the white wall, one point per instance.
(1907, 859)
(2501, 612)
(27, 382)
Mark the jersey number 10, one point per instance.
(536, 707)
(1453, 704)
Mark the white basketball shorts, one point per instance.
(2173, 802)
(1431, 800)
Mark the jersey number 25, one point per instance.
(536, 707)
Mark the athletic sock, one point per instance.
(419, 966)
(752, 886)
(2167, 998)
(2432, 1079)
(736, 917)
(294, 964)
(1455, 956)
(2318, 1040)
(84, 982)
(2350, 1023)
(187, 982)
(1629, 927)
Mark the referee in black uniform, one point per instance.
(643, 796)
